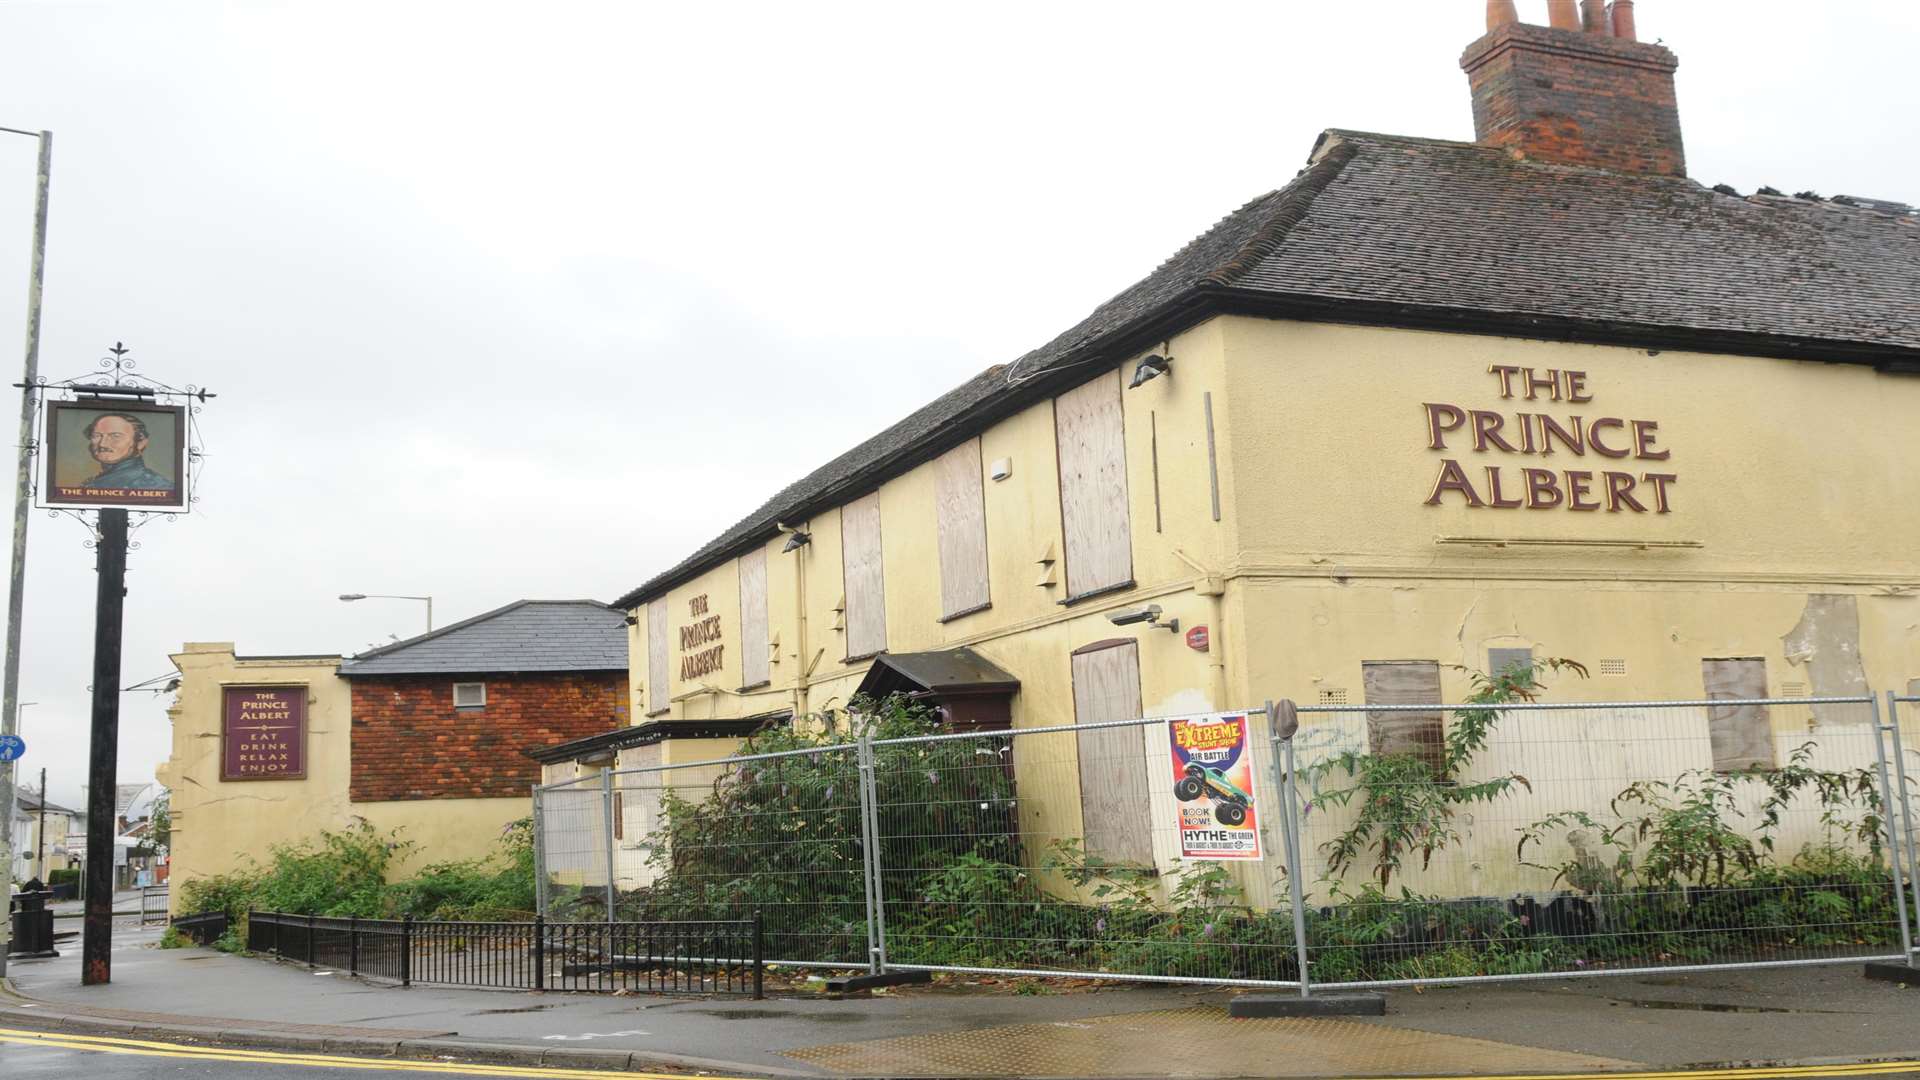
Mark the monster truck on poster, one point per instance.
(1213, 786)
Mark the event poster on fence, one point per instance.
(1213, 786)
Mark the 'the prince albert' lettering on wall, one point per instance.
(1606, 449)
(264, 736)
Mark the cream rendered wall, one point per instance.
(1793, 485)
(1026, 629)
(219, 824)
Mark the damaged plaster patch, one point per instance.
(1826, 641)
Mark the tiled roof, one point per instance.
(1389, 230)
(527, 635)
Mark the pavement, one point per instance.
(1801, 1016)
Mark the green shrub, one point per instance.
(344, 874)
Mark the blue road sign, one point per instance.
(12, 747)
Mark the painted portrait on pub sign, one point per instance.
(114, 453)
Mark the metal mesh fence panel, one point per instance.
(778, 835)
(1057, 851)
(573, 862)
(1528, 840)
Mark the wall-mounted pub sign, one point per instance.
(264, 734)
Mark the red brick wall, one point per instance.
(1579, 98)
(409, 742)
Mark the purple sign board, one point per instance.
(264, 733)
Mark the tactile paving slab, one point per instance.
(1200, 1041)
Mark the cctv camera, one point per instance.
(1147, 614)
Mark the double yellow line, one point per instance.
(142, 1048)
(1768, 1072)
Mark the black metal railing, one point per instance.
(153, 904)
(714, 956)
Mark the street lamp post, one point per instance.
(390, 596)
(16, 593)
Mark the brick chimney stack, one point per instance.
(1583, 92)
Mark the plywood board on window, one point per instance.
(1742, 735)
(1115, 805)
(960, 517)
(866, 587)
(658, 694)
(1420, 732)
(754, 667)
(1093, 486)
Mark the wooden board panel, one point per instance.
(1742, 736)
(960, 515)
(1404, 682)
(658, 693)
(1115, 806)
(1093, 486)
(754, 668)
(866, 588)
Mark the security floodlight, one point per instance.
(1151, 367)
(1149, 614)
(796, 541)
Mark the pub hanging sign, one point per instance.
(264, 733)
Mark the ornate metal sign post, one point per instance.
(111, 442)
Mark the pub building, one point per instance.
(1429, 407)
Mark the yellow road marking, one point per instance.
(1769, 1072)
(144, 1048)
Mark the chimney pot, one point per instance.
(1622, 12)
(1501, 13)
(1593, 17)
(1563, 14)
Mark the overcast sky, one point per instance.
(529, 300)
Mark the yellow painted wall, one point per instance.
(217, 824)
(1793, 482)
(59, 827)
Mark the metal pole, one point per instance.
(606, 801)
(1906, 808)
(1889, 808)
(539, 854)
(22, 500)
(96, 946)
(872, 799)
(864, 763)
(1280, 732)
(40, 841)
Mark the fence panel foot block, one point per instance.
(847, 983)
(1894, 973)
(1262, 1006)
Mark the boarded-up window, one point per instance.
(866, 591)
(753, 618)
(960, 515)
(1500, 661)
(1114, 805)
(658, 694)
(1421, 732)
(1093, 487)
(1742, 736)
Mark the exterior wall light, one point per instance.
(1150, 367)
(797, 540)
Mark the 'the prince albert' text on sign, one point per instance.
(265, 733)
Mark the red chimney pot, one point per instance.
(1622, 12)
(1563, 14)
(1500, 13)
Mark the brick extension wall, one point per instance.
(409, 742)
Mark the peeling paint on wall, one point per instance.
(1826, 641)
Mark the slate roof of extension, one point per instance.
(526, 635)
(1425, 233)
